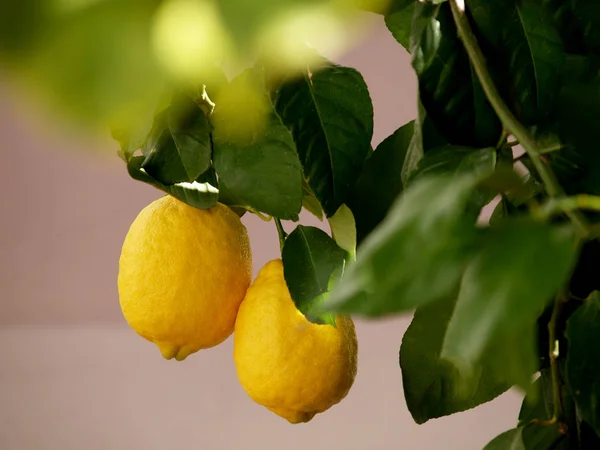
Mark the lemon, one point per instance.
(183, 273)
(293, 367)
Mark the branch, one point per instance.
(509, 121)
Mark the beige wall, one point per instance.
(73, 376)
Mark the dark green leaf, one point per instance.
(449, 89)
(399, 19)
(202, 195)
(330, 114)
(528, 52)
(583, 360)
(425, 137)
(532, 437)
(190, 130)
(503, 291)
(434, 387)
(534, 406)
(417, 254)
(227, 198)
(312, 263)
(380, 181)
(588, 14)
(577, 166)
(265, 173)
(163, 162)
(509, 440)
(456, 160)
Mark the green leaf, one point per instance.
(532, 437)
(432, 386)
(534, 403)
(425, 137)
(583, 362)
(417, 254)
(312, 205)
(509, 440)
(332, 129)
(190, 130)
(456, 159)
(577, 166)
(528, 53)
(227, 198)
(588, 14)
(380, 183)
(265, 173)
(399, 19)
(201, 195)
(449, 90)
(343, 230)
(312, 263)
(162, 161)
(503, 291)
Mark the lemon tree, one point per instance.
(507, 120)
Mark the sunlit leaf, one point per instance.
(202, 195)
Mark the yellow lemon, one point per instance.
(293, 367)
(183, 273)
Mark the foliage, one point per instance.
(497, 304)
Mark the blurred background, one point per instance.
(72, 374)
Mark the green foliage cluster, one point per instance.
(512, 302)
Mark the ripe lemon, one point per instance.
(293, 367)
(183, 273)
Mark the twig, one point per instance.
(509, 121)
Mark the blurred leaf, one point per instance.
(380, 182)
(503, 291)
(343, 229)
(449, 90)
(417, 254)
(202, 195)
(332, 129)
(96, 64)
(312, 262)
(190, 130)
(398, 19)
(528, 53)
(264, 173)
(532, 437)
(433, 387)
(583, 365)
